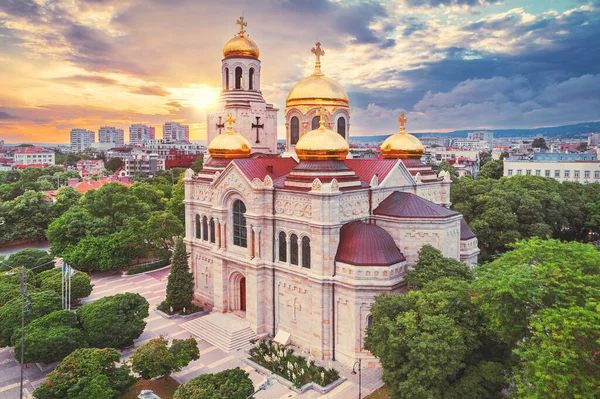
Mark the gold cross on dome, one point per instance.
(318, 52)
(402, 119)
(321, 114)
(241, 23)
(230, 121)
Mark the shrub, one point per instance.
(81, 284)
(147, 267)
(31, 258)
(155, 359)
(228, 384)
(114, 321)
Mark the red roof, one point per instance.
(365, 169)
(465, 231)
(408, 205)
(87, 185)
(364, 244)
(261, 167)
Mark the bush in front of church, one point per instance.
(228, 384)
(155, 359)
(180, 285)
(81, 285)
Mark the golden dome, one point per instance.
(322, 144)
(229, 144)
(241, 45)
(402, 144)
(317, 87)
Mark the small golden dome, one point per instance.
(317, 87)
(229, 144)
(322, 144)
(241, 45)
(402, 144)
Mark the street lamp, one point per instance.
(358, 362)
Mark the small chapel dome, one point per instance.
(402, 144)
(241, 45)
(322, 144)
(363, 244)
(229, 144)
(317, 87)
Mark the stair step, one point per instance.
(225, 331)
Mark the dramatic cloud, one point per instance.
(151, 91)
(85, 79)
(437, 3)
(6, 116)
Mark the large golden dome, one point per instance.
(229, 144)
(322, 144)
(241, 45)
(317, 88)
(402, 144)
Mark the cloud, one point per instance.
(151, 91)
(20, 8)
(6, 116)
(78, 80)
(438, 3)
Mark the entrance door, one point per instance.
(243, 294)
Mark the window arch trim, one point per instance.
(204, 228)
(282, 257)
(240, 232)
(306, 252)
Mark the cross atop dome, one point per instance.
(241, 23)
(322, 114)
(230, 121)
(318, 52)
(402, 119)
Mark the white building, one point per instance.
(33, 156)
(472, 144)
(593, 139)
(139, 133)
(143, 163)
(162, 148)
(175, 132)
(110, 134)
(82, 139)
(482, 136)
(573, 171)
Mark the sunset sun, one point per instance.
(204, 97)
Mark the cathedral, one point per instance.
(303, 242)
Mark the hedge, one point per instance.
(147, 267)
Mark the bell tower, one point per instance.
(241, 95)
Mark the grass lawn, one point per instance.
(163, 388)
(381, 393)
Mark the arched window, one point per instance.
(306, 252)
(341, 127)
(238, 77)
(315, 122)
(239, 224)
(251, 79)
(212, 230)
(294, 249)
(205, 228)
(294, 130)
(198, 232)
(282, 247)
(226, 78)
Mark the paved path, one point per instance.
(152, 286)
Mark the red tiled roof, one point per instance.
(364, 244)
(465, 231)
(365, 169)
(408, 205)
(87, 185)
(261, 167)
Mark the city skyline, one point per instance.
(446, 64)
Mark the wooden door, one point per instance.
(243, 294)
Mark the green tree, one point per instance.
(180, 284)
(543, 298)
(432, 265)
(445, 166)
(228, 384)
(50, 338)
(39, 304)
(161, 230)
(31, 258)
(66, 198)
(198, 164)
(114, 164)
(491, 170)
(484, 158)
(114, 321)
(155, 359)
(583, 146)
(87, 373)
(539, 142)
(25, 217)
(175, 203)
(81, 284)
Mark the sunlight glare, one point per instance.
(204, 98)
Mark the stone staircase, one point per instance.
(226, 331)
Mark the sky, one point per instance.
(446, 64)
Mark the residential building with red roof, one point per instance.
(33, 156)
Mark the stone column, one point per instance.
(224, 235)
(218, 232)
(256, 242)
(250, 240)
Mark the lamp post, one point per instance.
(358, 362)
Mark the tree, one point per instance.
(180, 285)
(491, 170)
(583, 146)
(114, 321)
(155, 359)
(228, 384)
(66, 198)
(88, 373)
(160, 231)
(39, 304)
(31, 258)
(50, 338)
(114, 164)
(445, 166)
(539, 142)
(484, 158)
(175, 203)
(198, 164)
(25, 217)
(543, 298)
(81, 284)
(432, 265)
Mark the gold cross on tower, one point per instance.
(318, 52)
(402, 121)
(241, 23)
(321, 113)
(230, 121)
